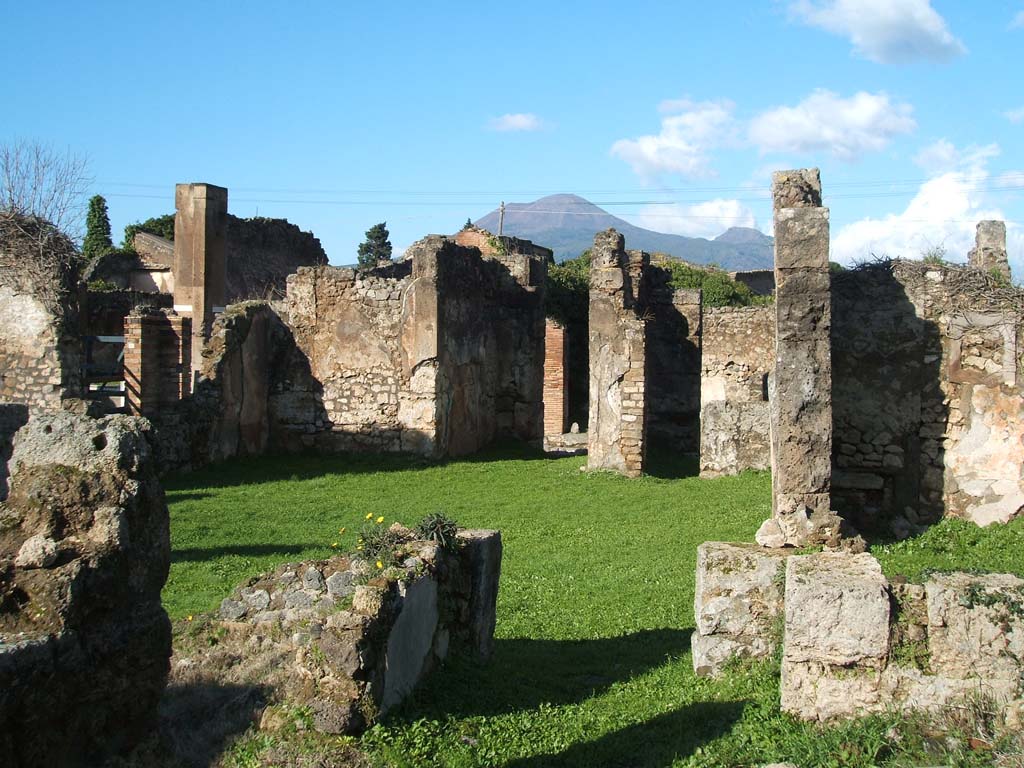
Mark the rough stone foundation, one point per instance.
(84, 552)
(852, 642)
(351, 641)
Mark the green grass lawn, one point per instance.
(592, 663)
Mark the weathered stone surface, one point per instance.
(37, 552)
(737, 356)
(480, 553)
(410, 641)
(841, 654)
(292, 633)
(837, 610)
(616, 435)
(989, 252)
(40, 351)
(737, 602)
(976, 625)
(84, 552)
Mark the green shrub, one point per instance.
(438, 527)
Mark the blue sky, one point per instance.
(671, 115)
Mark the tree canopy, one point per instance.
(376, 247)
(97, 229)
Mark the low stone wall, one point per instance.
(84, 553)
(852, 642)
(350, 640)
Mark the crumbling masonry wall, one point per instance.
(737, 358)
(438, 354)
(84, 551)
(39, 349)
(673, 356)
(618, 333)
(928, 405)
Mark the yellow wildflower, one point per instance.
(342, 529)
(380, 564)
(369, 515)
(380, 519)
(334, 544)
(188, 618)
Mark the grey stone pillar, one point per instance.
(801, 395)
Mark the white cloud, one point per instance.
(689, 131)
(884, 31)
(518, 121)
(943, 157)
(1018, 21)
(708, 219)
(1015, 115)
(826, 122)
(943, 213)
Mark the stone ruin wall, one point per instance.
(322, 638)
(673, 362)
(436, 355)
(616, 437)
(929, 413)
(491, 322)
(84, 552)
(737, 357)
(852, 642)
(39, 353)
(377, 375)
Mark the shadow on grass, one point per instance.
(203, 554)
(256, 470)
(652, 744)
(198, 721)
(525, 673)
(669, 465)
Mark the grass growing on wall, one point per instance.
(592, 660)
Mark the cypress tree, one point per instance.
(97, 229)
(376, 247)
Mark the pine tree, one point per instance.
(97, 229)
(377, 247)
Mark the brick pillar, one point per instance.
(556, 390)
(616, 436)
(200, 237)
(800, 407)
(156, 361)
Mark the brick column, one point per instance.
(616, 436)
(556, 392)
(200, 238)
(156, 361)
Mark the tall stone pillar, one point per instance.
(989, 252)
(616, 433)
(800, 407)
(200, 238)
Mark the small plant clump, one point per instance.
(440, 528)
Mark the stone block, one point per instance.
(837, 610)
(976, 625)
(737, 603)
(480, 554)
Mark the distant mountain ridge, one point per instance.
(566, 224)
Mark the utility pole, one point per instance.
(501, 217)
